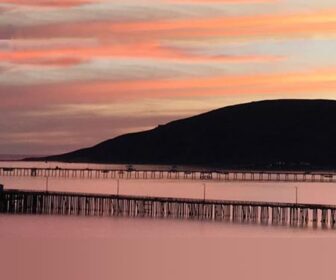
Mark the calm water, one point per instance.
(52, 247)
(113, 248)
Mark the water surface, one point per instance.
(90, 248)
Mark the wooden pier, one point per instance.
(219, 175)
(60, 203)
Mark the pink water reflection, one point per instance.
(71, 248)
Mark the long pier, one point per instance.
(60, 203)
(219, 175)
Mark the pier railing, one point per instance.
(62, 203)
(228, 175)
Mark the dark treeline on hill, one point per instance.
(279, 134)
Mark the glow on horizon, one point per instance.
(76, 72)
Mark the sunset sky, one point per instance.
(76, 72)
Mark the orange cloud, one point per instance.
(134, 50)
(322, 80)
(306, 23)
(289, 85)
(225, 1)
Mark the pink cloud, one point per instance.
(51, 3)
(277, 25)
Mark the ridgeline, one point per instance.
(277, 134)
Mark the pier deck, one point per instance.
(217, 175)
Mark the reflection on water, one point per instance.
(51, 247)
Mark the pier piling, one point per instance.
(60, 203)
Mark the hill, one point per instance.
(282, 134)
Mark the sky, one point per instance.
(76, 72)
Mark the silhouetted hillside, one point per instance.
(285, 134)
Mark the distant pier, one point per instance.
(60, 203)
(228, 175)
